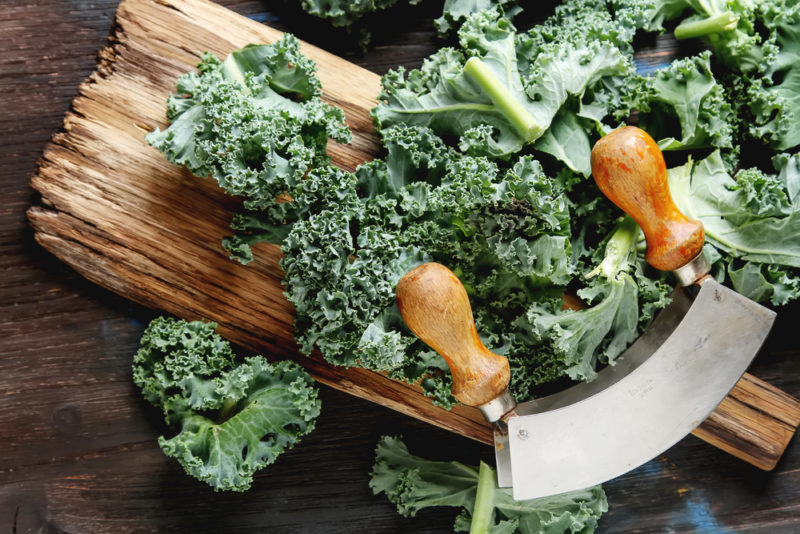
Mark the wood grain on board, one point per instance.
(124, 217)
(121, 215)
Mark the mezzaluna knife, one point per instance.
(658, 391)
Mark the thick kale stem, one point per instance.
(504, 101)
(484, 501)
(232, 71)
(619, 248)
(690, 29)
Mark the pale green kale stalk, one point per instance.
(234, 417)
(413, 484)
(256, 124)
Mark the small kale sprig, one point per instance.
(413, 483)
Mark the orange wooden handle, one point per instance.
(629, 168)
(436, 308)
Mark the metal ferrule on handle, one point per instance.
(495, 409)
(697, 268)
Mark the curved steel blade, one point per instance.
(644, 347)
(586, 437)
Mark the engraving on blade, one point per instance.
(647, 411)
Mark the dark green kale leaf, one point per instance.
(413, 484)
(235, 418)
(345, 12)
(685, 90)
(256, 124)
(506, 233)
(774, 98)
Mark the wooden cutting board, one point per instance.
(121, 215)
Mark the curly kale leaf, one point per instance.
(621, 301)
(256, 124)
(507, 232)
(774, 98)
(344, 12)
(730, 28)
(686, 90)
(412, 483)
(178, 365)
(235, 418)
(753, 220)
(455, 12)
(759, 42)
(502, 91)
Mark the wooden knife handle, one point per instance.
(629, 169)
(435, 306)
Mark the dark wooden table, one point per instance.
(78, 450)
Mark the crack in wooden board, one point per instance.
(122, 216)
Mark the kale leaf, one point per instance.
(256, 124)
(502, 91)
(759, 42)
(581, 339)
(507, 232)
(752, 221)
(412, 483)
(235, 418)
(688, 91)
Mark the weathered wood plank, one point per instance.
(115, 210)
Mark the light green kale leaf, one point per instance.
(752, 220)
(235, 418)
(256, 124)
(759, 42)
(412, 484)
(754, 217)
(455, 12)
(621, 302)
(501, 91)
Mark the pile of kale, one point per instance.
(494, 183)
(486, 170)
